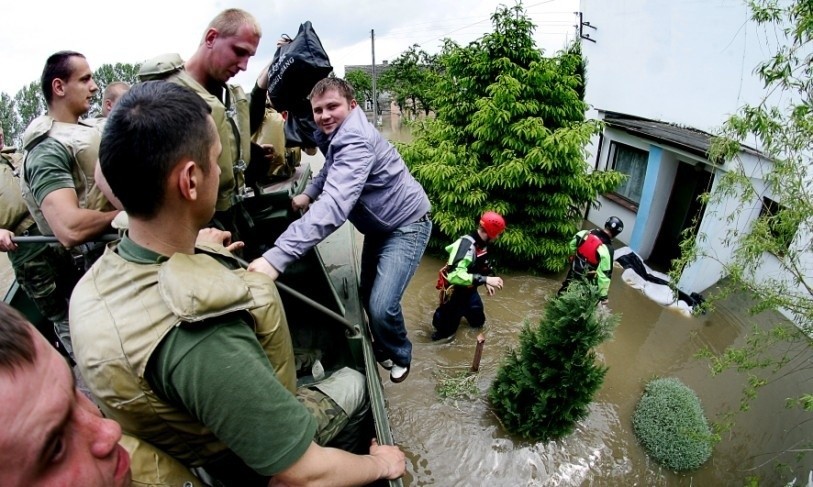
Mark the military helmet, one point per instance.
(614, 225)
(493, 224)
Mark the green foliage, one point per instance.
(670, 424)
(27, 104)
(545, 387)
(509, 136)
(462, 385)
(362, 83)
(410, 79)
(782, 126)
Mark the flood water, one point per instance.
(461, 443)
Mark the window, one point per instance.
(632, 162)
(780, 226)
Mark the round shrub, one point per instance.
(670, 424)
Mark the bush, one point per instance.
(545, 387)
(670, 424)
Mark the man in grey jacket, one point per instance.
(364, 180)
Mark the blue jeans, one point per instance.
(388, 262)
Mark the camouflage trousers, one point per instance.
(48, 279)
(334, 426)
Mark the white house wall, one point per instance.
(685, 62)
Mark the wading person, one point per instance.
(364, 180)
(59, 189)
(198, 349)
(592, 257)
(465, 271)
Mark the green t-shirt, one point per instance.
(48, 167)
(218, 372)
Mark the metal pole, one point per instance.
(478, 353)
(52, 239)
(319, 307)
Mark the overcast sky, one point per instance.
(132, 31)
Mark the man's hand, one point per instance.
(390, 457)
(269, 152)
(6, 242)
(492, 284)
(300, 202)
(261, 265)
(219, 237)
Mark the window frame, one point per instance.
(612, 160)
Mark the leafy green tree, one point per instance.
(545, 387)
(410, 79)
(509, 135)
(362, 83)
(782, 123)
(29, 104)
(9, 119)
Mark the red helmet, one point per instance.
(492, 223)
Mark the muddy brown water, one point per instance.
(461, 443)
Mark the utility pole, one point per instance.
(375, 95)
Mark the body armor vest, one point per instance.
(14, 214)
(231, 119)
(82, 142)
(114, 337)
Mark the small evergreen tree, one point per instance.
(545, 387)
(509, 135)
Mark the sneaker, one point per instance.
(387, 364)
(398, 373)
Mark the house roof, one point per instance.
(691, 140)
(367, 68)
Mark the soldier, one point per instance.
(204, 372)
(112, 93)
(229, 41)
(51, 434)
(58, 183)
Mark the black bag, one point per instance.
(299, 131)
(297, 66)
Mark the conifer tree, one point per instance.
(509, 135)
(545, 387)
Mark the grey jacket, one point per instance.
(364, 180)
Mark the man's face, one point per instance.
(330, 109)
(230, 55)
(78, 90)
(52, 435)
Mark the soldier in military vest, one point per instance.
(57, 181)
(38, 394)
(184, 348)
(228, 43)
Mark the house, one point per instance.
(384, 98)
(664, 76)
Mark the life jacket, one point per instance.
(272, 131)
(151, 467)
(479, 265)
(231, 119)
(82, 141)
(587, 258)
(114, 338)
